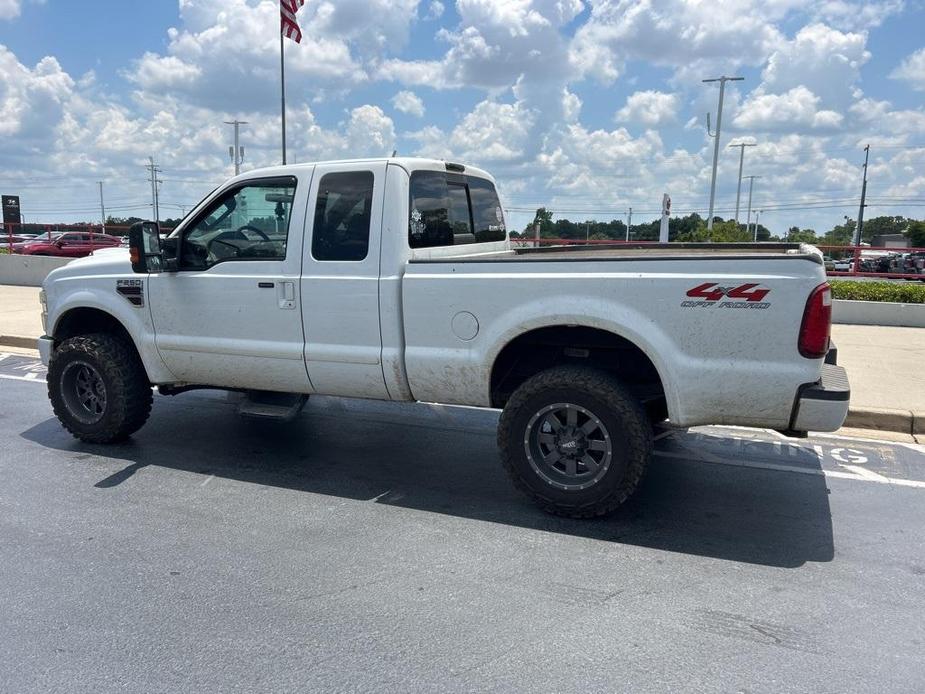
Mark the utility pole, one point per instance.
(741, 146)
(757, 214)
(102, 209)
(153, 169)
(857, 234)
(587, 231)
(719, 122)
(237, 152)
(629, 223)
(751, 183)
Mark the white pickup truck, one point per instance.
(395, 279)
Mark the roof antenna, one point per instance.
(394, 152)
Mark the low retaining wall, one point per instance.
(878, 313)
(28, 270)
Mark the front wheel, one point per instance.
(575, 441)
(98, 388)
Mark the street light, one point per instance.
(741, 146)
(236, 152)
(719, 122)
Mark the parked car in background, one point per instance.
(70, 244)
(828, 263)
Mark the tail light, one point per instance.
(817, 323)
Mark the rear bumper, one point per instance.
(822, 406)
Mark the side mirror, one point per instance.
(144, 243)
(59, 243)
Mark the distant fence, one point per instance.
(855, 261)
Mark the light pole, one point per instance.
(741, 146)
(102, 209)
(757, 214)
(751, 184)
(719, 123)
(629, 223)
(237, 152)
(857, 233)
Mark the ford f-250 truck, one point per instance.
(395, 279)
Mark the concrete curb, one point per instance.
(878, 313)
(902, 421)
(18, 341)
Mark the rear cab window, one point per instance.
(450, 209)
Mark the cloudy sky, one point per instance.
(587, 108)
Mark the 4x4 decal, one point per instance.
(742, 296)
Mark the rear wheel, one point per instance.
(98, 388)
(575, 441)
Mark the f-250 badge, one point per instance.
(712, 295)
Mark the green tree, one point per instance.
(883, 225)
(797, 235)
(723, 232)
(916, 233)
(543, 217)
(840, 234)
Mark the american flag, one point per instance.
(288, 25)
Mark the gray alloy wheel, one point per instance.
(83, 391)
(568, 446)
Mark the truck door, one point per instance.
(230, 315)
(340, 280)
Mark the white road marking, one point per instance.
(840, 474)
(31, 376)
(207, 480)
(865, 473)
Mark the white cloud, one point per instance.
(856, 15)
(10, 9)
(674, 33)
(492, 132)
(226, 47)
(434, 10)
(912, 70)
(649, 108)
(825, 60)
(792, 110)
(408, 102)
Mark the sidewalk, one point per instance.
(20, 316)
(884, 364)
(886, 368)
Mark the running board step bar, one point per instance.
(282, 407)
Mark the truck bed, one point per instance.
(635, 252)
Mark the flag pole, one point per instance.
(282, 82)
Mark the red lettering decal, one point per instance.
(700, 292)
(746, 291)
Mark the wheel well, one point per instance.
(83, 321)
(541, 349)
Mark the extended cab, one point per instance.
(395, 279)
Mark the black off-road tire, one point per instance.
(127, 390)
(624, 419)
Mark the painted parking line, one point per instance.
(17, 367)
(851, 473)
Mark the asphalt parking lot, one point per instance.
(379, 547)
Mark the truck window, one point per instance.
(248, 222)
(342, 216)
(451, 210)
